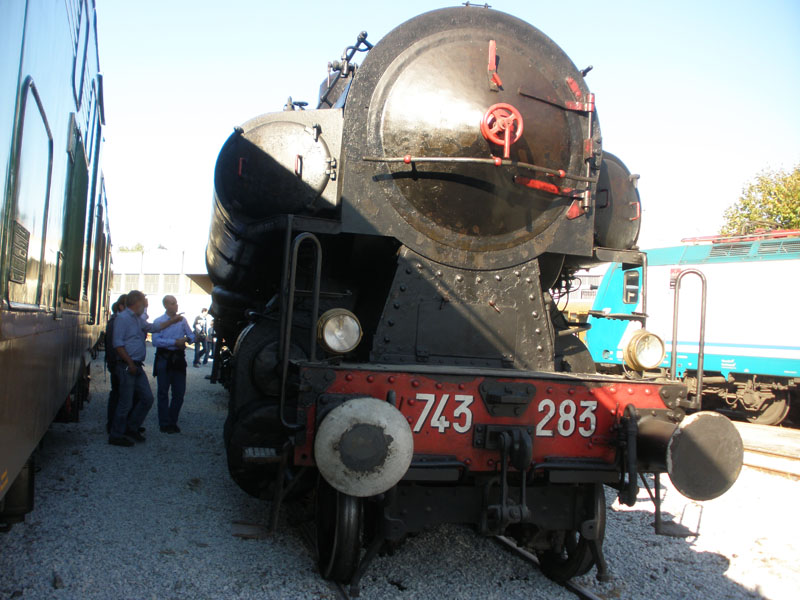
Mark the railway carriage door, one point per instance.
(75, 215)
(32, 169)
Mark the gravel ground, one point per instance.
(157, 521)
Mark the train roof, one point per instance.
(775, 245)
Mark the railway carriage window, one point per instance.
(33, 163)
(116, 282)
(75, 214)
(93, 118)
(630, 293)
(97, 267)
(81, 49)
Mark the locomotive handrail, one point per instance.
(673, 363)
(497, 162)
(287, 313)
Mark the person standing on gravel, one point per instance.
(112, 358)
(130, 332)
(170, 365)
(200, 335)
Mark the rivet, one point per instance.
(411, 401)
(396, 305)
(571, 391)
(491, 302)
(402, 288)
(612, 389)
(478, 279)
(438, 386)
(461, 386)
(539, 348)
(438, 273)
(537, 331)
(516, 273)
(370, 378)
(348, 377)
(527, 280)
(410, 420)
(414, 383)
(408, 271)
(467, 461)
(497, 277)
(549, 390)
(392, 378)
(647, 391)
(535, 315)
(459, 278)
(630, 391)
(387, 339)
(490, 462)
(419, 265)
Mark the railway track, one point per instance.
(345, 592)
(771, 449)
(579, 591)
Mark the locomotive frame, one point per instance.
(448, 387)
(55, 242)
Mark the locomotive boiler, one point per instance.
(382, 268)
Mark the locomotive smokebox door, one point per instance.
(423, 92)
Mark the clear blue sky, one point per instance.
(697, 97)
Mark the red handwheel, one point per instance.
(502, 125)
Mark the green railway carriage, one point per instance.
(54, 235)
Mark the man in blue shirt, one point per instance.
(170, 365)
(112, 358)
(130, 332)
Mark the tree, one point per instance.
(135, 248)
(771, 201)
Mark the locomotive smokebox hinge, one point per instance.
(331, 170)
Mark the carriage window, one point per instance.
(81, 49)
(630, 292)
(31, 193)
(75, 214)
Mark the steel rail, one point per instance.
(577, 589)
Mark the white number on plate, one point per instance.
(566, 419)
(438, 420)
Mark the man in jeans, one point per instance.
(112, 358)
(130, 332)
(170, 365)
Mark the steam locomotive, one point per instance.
(382, 270)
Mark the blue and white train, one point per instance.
(751, 359)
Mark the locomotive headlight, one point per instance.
(338, 331)
(644, 351)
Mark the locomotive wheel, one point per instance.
(339, 523)
(575, 557)
(773, 413)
